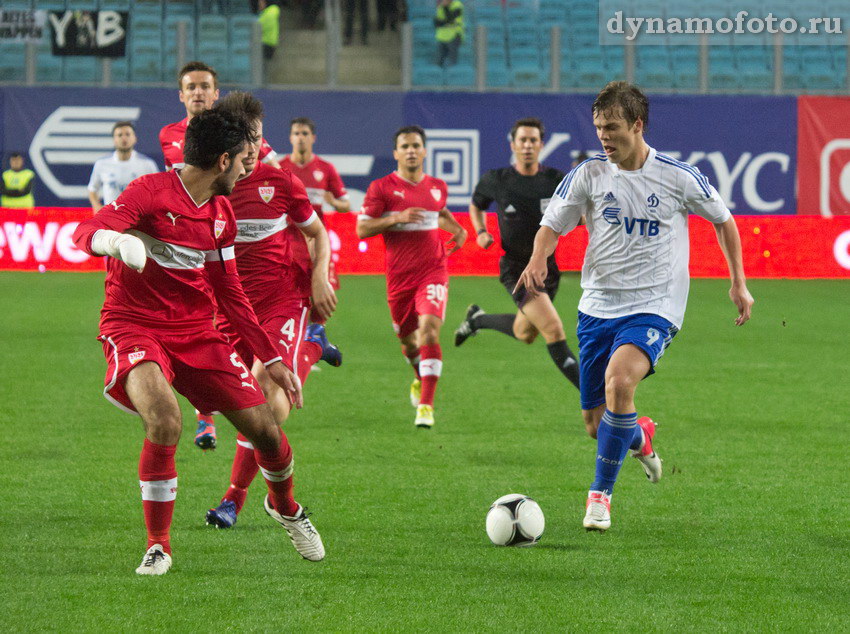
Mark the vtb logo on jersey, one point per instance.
(266, 193)
(436, 193)
(220, 224)
(612, 215)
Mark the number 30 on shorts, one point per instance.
(436, 293)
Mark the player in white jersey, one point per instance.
(635, 276)
(112, 173)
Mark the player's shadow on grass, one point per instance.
(550, 546)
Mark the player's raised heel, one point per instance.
(466, 328)
(424, 417)
(155, 562)
(222, 516)
(649, 460)
(301, 531)
(205, 437)
(330, 353)
(415, 392)
(598, 515)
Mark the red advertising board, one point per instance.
(40, 239)
(823, 155)
(773, 246)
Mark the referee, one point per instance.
(521, 193)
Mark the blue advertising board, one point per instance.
(745, 145)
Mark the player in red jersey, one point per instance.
(408, 207)
(320, 178)
(198, 84)
(177, 230)
(264, 201)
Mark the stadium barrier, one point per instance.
(773, 246)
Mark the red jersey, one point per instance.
(171, 139)
(318, 177)
(191, 263)
(265, 203)
(414, 250)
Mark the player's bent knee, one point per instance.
(619, 387)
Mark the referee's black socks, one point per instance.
(503, 322)
(564, 359)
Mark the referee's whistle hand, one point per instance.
(485, 240)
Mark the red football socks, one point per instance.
(430, 368)
(242, 473)
(277, 470)
(308, 356)
(158, 481)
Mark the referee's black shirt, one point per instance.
(520, 203)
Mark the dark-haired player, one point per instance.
(171, 241)
(409, 208)
(198, 85)
(635, 276)
(521, 193)
(320, 179)
(264, 202)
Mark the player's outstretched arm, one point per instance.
(324, 298)
(478, 217)
(534, 276)
(730, 243)
(368, 227)
(446, 221)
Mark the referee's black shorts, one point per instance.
(510, 271)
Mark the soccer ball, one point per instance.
(515, 520)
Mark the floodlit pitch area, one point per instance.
(748, 529)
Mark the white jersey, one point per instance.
(111, 175)
(637, 257)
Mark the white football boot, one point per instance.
(645, 455)
(301, 531)
(598, 516)
(155, 562)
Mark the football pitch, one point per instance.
(749, 529)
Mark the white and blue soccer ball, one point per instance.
(515, 520)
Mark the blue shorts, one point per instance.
(599, 338)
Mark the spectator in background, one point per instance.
(17, 184)
(351, 6)
(388, 14)
(270, 25)
(112, 173)
(448, 22)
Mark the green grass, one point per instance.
(748, 530)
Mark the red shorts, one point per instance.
(286, 328)
(202, 366)
(428, 298)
